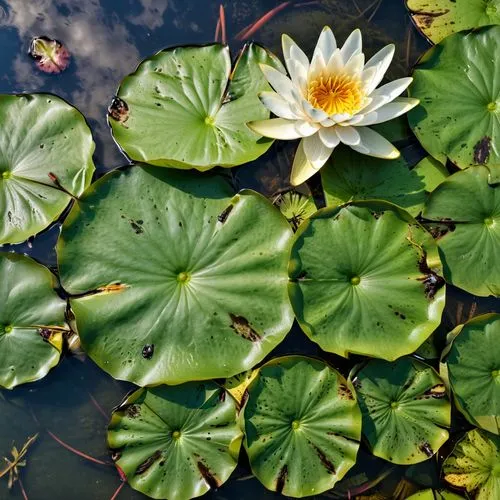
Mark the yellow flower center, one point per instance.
(335, 94)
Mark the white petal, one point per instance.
(348, 135)
(327, 123)
(367, 76)
(373, 144)
(298, 54)
(318, 66)
(306, 128)
(381, 61)
(329, 137)
(396, 108)
(352, 46)
(355, 65)
(377, 102)
(316, 115)
(316, 152)
(335, 64)
(301, 168)
(393, 89)
(340, 117)
(278, 81)
(326, 44)
(277, 105)
(276, 128)
(298, 74)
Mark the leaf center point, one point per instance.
(296, 425)
(183, 277)
(492, 106)
(489, 221)
(355, 280)
(209, 120)
(394, 405)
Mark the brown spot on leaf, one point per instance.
(222, 217)
(437, 392)
(425, 447)
(242, 327)
(482, 151)
(46, 333)
(142, 468)
(207, 475)
(148, 351)
(344, 392)
(118, 110)
(132, 410)
(324, 459)
(137, 226)
(282, 476)
(112, 288)
(426, 19)
(222, 396)
(432, 282)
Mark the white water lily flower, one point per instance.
(332, 99)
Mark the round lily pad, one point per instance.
(405, 409)
(473, 370)
(437, 19)
(365, 279)
(302, 426)
(475, 465)
(435, 495)
(45, 158)
(173, 277)
(197, 104)
(350, 176)
(176, 442)
(295, 206)
(459, 91)
(31, 320)
(468, 209)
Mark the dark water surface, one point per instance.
(107, 39)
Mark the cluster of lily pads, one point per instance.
(175, 282)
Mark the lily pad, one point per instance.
(31, 320)
(468, 208)
(435, 495)
(459, 91)
(51, 56)
(475, 465)
(295, 206)
(437, 19)
(405, 409)
(473, 370)
(176, 442)
(161, 265)
(350, 176)
(197, 104)
(302, 426)
(365, 279)
(45, 158)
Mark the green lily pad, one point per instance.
(405, 408)
(473, 370)
(437, 19)
(431, 172)
(176, 442)
(197, 104)
(469, 209)
(459, 113)
(350, 176)
(435, 495)
(45, 158)
(475, 465)
(302, 426)
(31, 320)
(365, 279)
(295, 206)
(162, 264)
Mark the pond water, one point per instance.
(107, 39)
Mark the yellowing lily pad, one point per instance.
(474, 465)
(438, 19)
